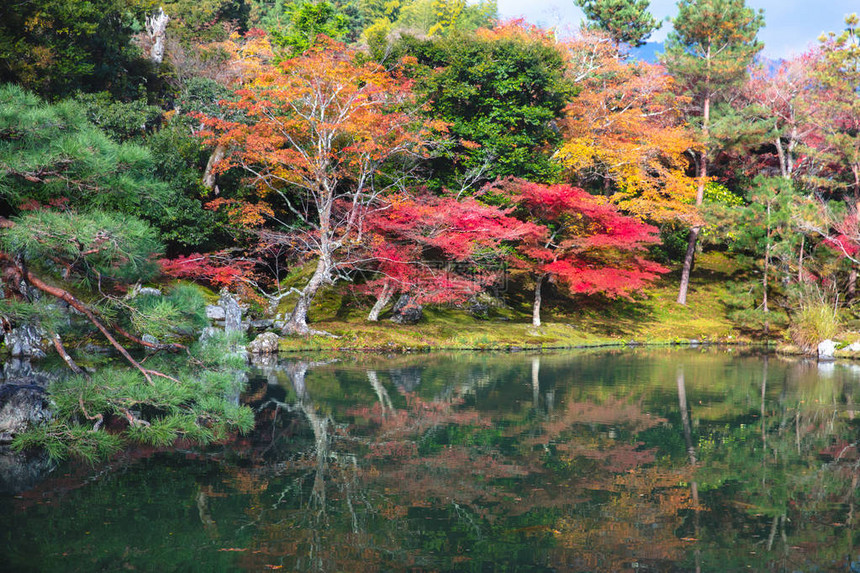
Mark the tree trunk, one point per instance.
(764, 275)
(209, 174)
(383, 299)
(298, 321)
(852, 284)
(800, 259)
(688, 265)
(700, 197)
(156, 29)
(536, 308)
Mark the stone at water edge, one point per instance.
(826, 349)
(26, 341)
(266, 343)
(853, 347)
(22, 407)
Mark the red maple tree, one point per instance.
(582, 240)
(439, 249)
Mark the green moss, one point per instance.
(653, 317)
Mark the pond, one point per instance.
(641, 459)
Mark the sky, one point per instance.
(790, 25)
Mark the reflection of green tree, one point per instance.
(491, 462)
(786, 504)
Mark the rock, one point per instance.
(826, 349)
(149, 339)
(266, 343)
(232, 312)
(263, 324)
(21, 372)
(20, 408)
(406, 310)
(853, 347)
(479, 309)
(148, 291)
(208, 333)
(215, 312)
(26, 341)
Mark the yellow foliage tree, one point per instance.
(625, 131)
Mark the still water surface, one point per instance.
(645, 460)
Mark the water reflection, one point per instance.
(697, 460)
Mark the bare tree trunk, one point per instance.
(383, 299)
(209, 174)
(536, 307)
(852, 284)
(765, 274)
(298, 321)
(700, 197)
(156, 29)
(800, 259)
(688, 265)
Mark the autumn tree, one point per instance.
(708, 53)
(781, 98)
(626, 21)
(624, 133)
(584, 242)
(320, 129)
(438, 249)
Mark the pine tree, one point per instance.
(709, 53)
(626, 21)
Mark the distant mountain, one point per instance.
(648, 52)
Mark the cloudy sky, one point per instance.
(790, 25)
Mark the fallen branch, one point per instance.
(61, 350)
(78, 305)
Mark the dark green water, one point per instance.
(645, 460)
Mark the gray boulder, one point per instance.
(214, 312)
(208, 333)
(26, 341)
(406, 310)
(266, 343)
(22, 407)
(21, 372)
(232, 312)
(826, 350)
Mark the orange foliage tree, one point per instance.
(625, 130)
(319, 130)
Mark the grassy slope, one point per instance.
(655, 318)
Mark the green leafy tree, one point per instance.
(304, 21)
(501, 91)
(56, 47)
(709, 52)
(626, 21)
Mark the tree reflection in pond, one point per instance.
(693, 460)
